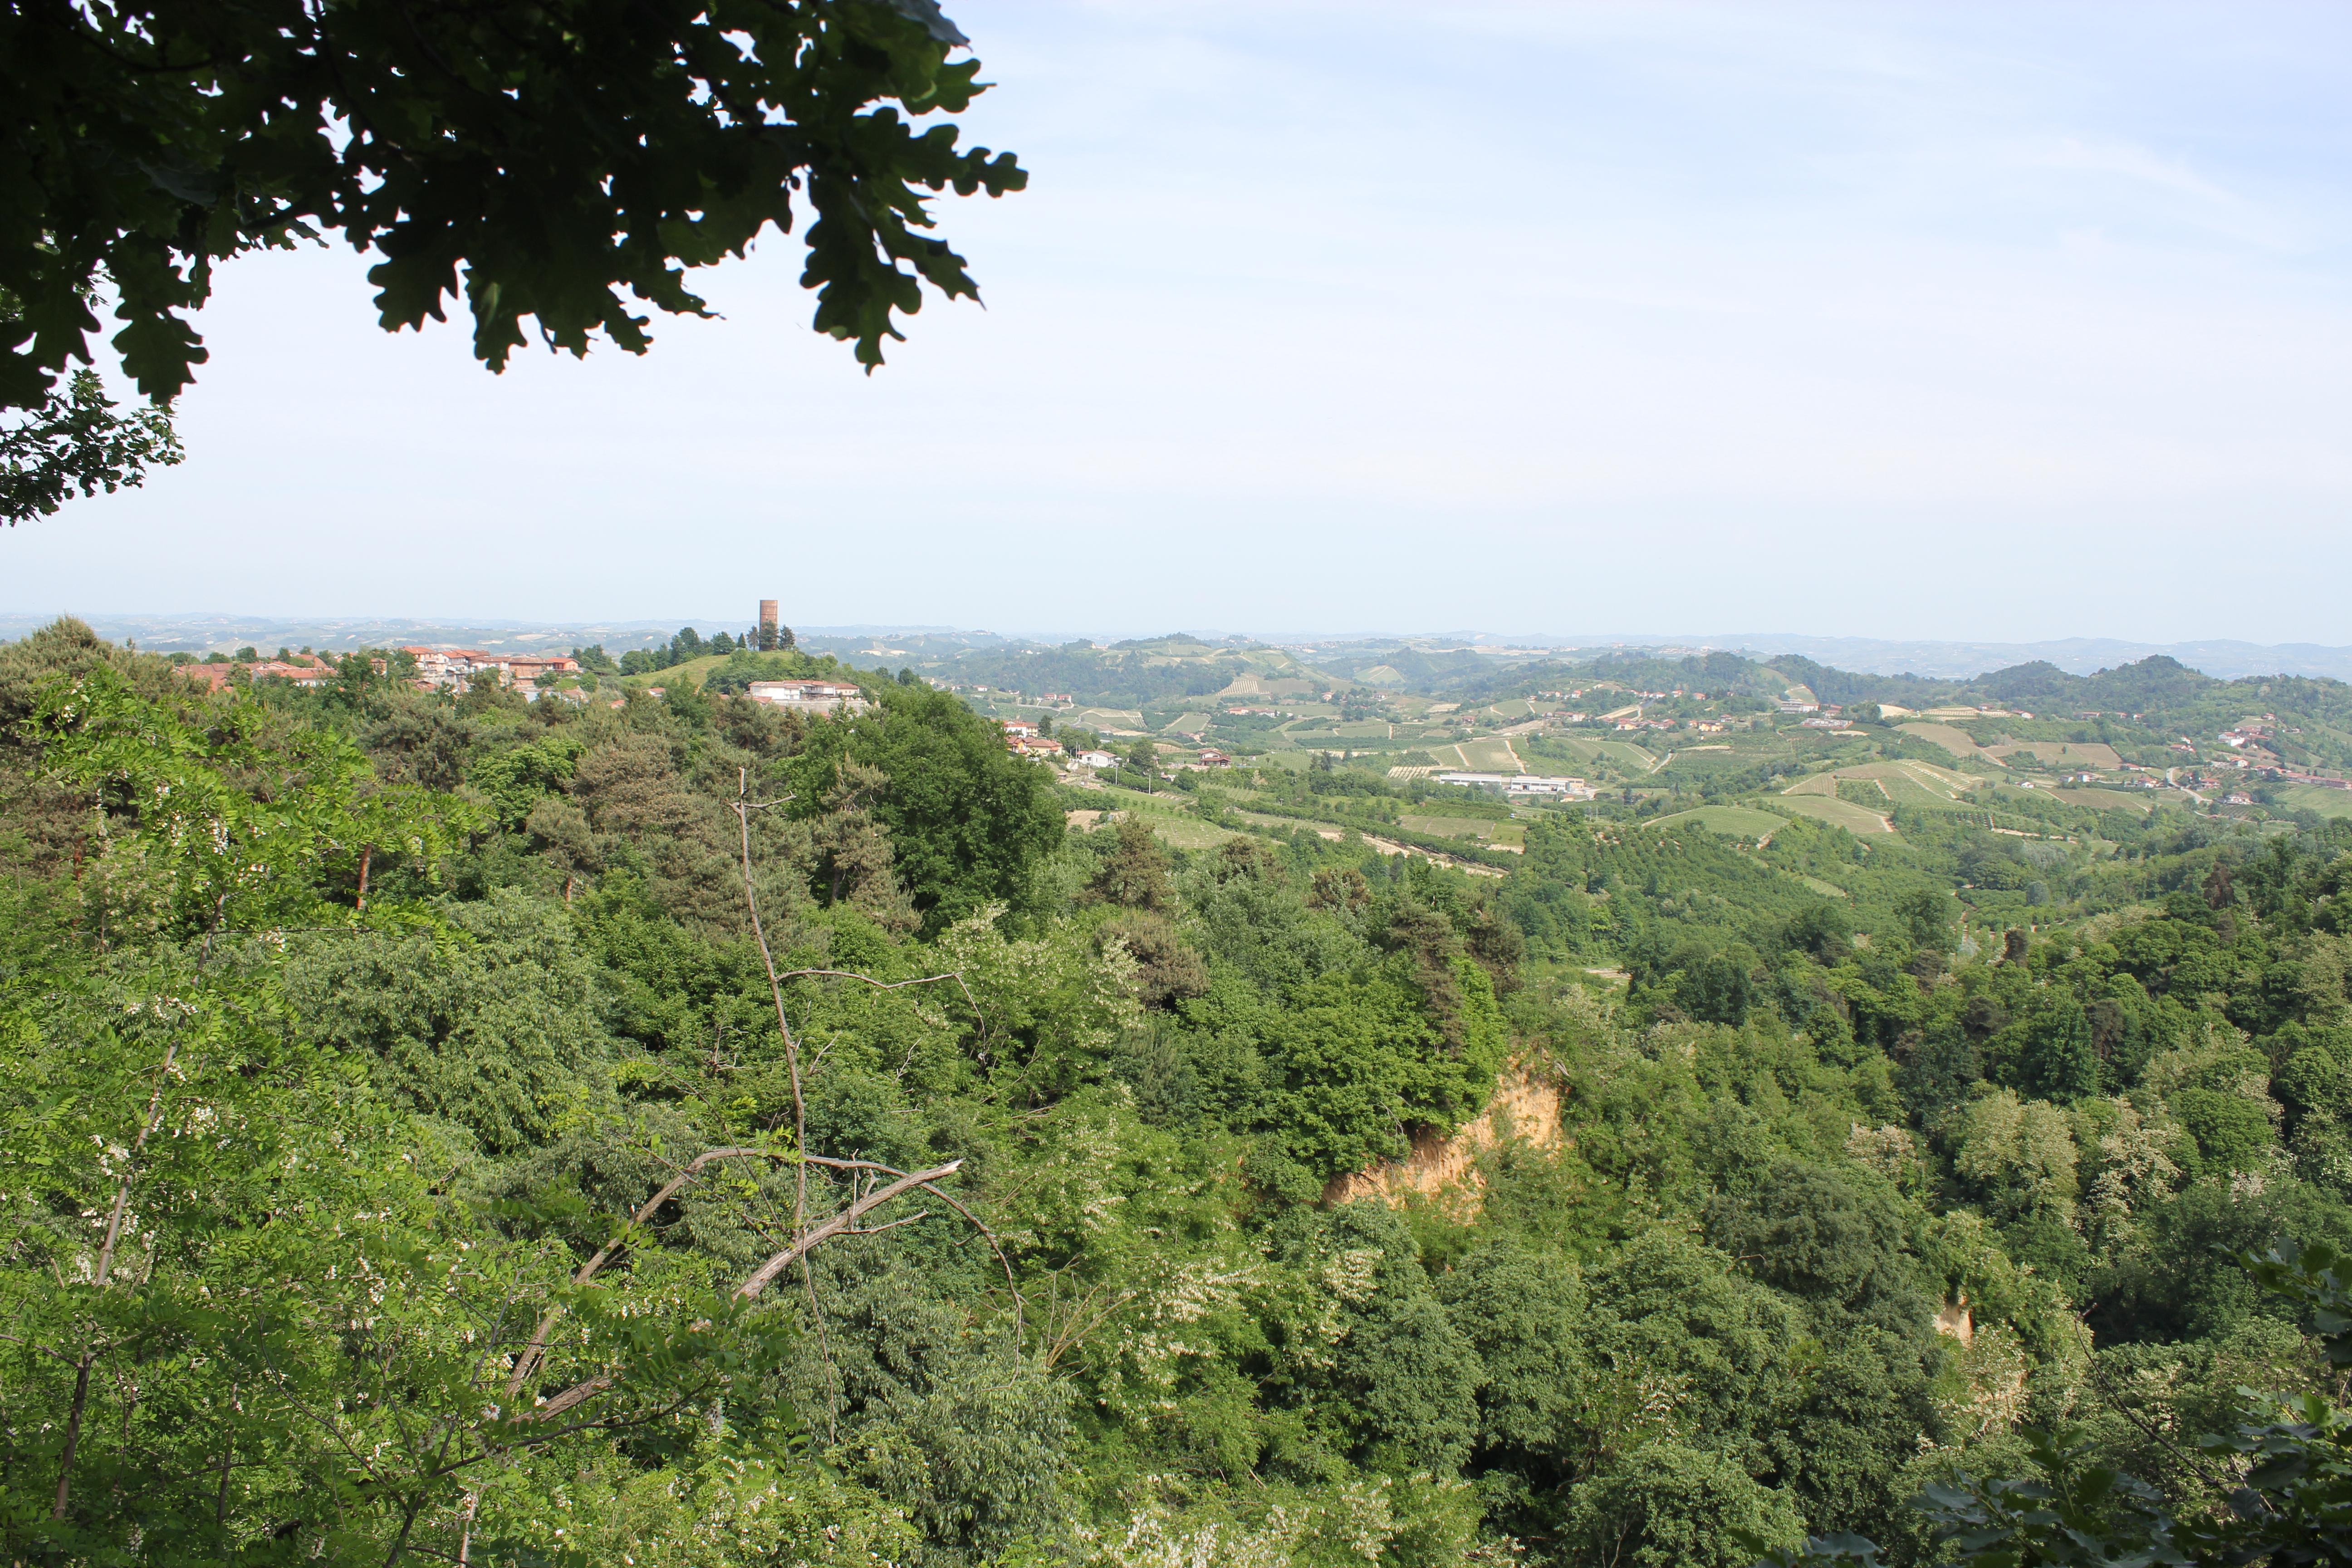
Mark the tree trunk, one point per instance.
(73, 1434)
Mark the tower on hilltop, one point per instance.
(768, 625)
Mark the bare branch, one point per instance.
(1012, 1286)
(536, 1351)
(776, 991)
(954, 974)
(105, 1266)
(123, 1190)
(838, 1223)
(892, 1225)
(564, 1401)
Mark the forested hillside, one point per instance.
(669, 1131)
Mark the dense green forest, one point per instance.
(658, 1131)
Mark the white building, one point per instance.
(1521, 783)
(810, 696)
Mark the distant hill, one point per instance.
(2223, 658)
(1408, 662)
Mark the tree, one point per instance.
(1926, 916)
(968, 822)
(2278, 1485)
(74, 444)
(535, 160)
(1135, 873)
(2060, 1061)
(1671, 1506)
(1341, 889)
(1144, 758)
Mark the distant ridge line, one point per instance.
(1944, 659)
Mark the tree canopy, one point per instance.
(663, 1128)
(555, 164)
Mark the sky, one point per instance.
(1988, 321)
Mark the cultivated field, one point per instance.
(1171, 820)
(1115, 720)
(1899, 782)
(2316, 797)
(1957, 741)
(1731, 821)
(1837, 813)
(1492, 754)
(2061, 754)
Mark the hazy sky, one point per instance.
(1938, 320)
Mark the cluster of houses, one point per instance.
(2253, 733)
(302, 669)
(460, 670)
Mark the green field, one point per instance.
(1890, 783)
(1447, 826)
(2063, 753)
(1101, 718)
(1623, 753)
(688, 676)
(1485, 755)
(1957, 741)
(1627, 754)
(1169, 816)
(1731, 821)
(1578, 745)
(1833, 811)
(2303, 797)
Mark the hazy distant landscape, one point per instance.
(1944, 660)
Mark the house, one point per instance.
(304, 670)
(456, 668)
(1020, 729)
(809, 695)
(527, 668)
(1097, 760)
(1794, 705)
(1215, 759)
(1033, 746)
